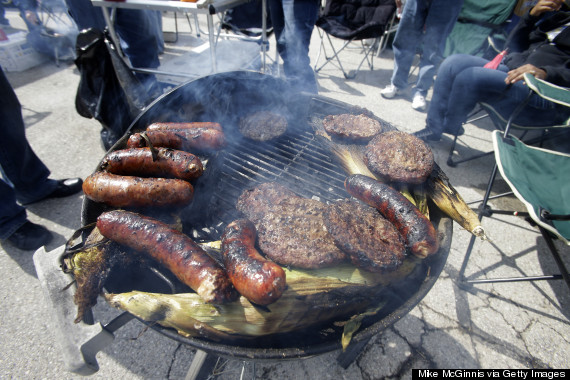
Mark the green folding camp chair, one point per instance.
(539, 178)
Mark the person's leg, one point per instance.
(451, 67)
(300, 17)
(18, 162)
(275, 8)
(137, 29)
(439, 21)
(407, 40)
(85, 14)
(477, 84)
(12, 215)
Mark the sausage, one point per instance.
(169, 163)
(129, 191)
(259, 280)
(173, 249)
(194, 124)
(203, 139)
(419, 233)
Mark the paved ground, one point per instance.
(516, 325)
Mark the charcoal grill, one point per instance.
(296, 159)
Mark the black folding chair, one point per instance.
(352, 21)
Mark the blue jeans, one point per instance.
(293, 23)
(138, 30)
(462, 82)
(24, 176)
(437, 17)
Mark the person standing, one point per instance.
(25, 178)
(424, 24)
(293, 23)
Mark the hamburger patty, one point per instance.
(355, 127)
(370, 240)
(293, 233)
(400, 157)
(256, 202)
(263, 125)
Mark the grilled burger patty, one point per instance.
(370, 240)
(263, 125)
(355, 127)
(399, 157)
(256, 202)
(293, 233)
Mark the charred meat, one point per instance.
(353, 127)
(263, 125)
(399, 157)
(256, 202)
(371, 241)
(293, 233)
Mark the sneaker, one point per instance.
(419, 102)
(428, 135)
(390, 91)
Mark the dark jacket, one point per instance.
(528, 43)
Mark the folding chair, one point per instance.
(545, 125)
(539, 178)
(350, 21)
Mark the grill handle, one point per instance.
(79, 342)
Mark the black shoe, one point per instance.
(460, 131)
(428, 135)
(30, 237)
(66, 187)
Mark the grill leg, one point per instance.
(346, 358)
(202, 366)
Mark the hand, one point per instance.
(545, 6)
(516, 75)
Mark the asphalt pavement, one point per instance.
(493, 326)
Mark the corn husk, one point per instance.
(450, 202)
(312, 298)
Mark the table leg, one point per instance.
(212, 39)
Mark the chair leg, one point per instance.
(334, 56)
(450, 161)
(563, 271)
(464, 283)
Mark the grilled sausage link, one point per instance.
(129, 191)
(140, 162)
(259, 280)
(203, 139)
(419, 233)
(191, 125)
(173, 249)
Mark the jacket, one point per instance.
(529, 44)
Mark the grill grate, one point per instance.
(296, 160)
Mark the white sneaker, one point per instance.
(419, 102)
(390, 91)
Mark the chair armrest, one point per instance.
(549, 91)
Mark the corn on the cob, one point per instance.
(444, 195)
(313, 297)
